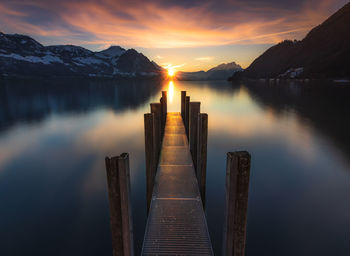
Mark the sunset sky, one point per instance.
(190, 35)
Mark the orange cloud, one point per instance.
(156, 25)
(16, 20)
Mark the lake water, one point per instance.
(54, 135)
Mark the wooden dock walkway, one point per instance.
(176, 223)
(175, 187)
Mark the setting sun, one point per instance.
(171, 71)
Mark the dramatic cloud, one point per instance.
(165, 23)
(156, 24)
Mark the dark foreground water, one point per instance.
(55, 134)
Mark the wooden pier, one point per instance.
(176, 156)
(176, 223)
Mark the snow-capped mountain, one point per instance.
(21, 55)
(113, 51)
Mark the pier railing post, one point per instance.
(187, 116)
(150, 158)
(154, 130)
(237, 185)
(183, 102)
(161, 115)
(157, 129)
(194, 111)
(202, 141)
(164, 109)
(118, 179)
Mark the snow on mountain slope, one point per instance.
(113, 51)
(89, 60)
(69, 50)
(46, 59)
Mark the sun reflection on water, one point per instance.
(171, 91)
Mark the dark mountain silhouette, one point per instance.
(323, 53)
(220, 72)
(21, 55)
(132, 61)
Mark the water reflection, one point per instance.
(317, 104)
(33, 100)
(171, 91)
(55, 134)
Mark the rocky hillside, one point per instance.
(21, 55)
(323, 53)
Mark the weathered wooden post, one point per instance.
(150, 158)
(187, 116)
(161, 117)
(194, 111)
(183, 99)
(237, 186)
(202, 141)
(118, 179)
(157, 129)
(164, 108)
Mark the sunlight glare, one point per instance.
(171, 71)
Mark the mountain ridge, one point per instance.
(323, 53)
(21, 55)
(219, 72)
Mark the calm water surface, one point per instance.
(55, 134)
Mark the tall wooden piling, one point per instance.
(162, 122)
(164, 109)
(156, 110)
(237, 186)
(194, 112)
(151, 165)
(118, 179)
(202, 141)
(187, 116)
(183, 102)
(154, 130)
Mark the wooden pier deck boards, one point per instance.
(176, 223)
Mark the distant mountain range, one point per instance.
(323, 53)
(220, 72)
(21, 55)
